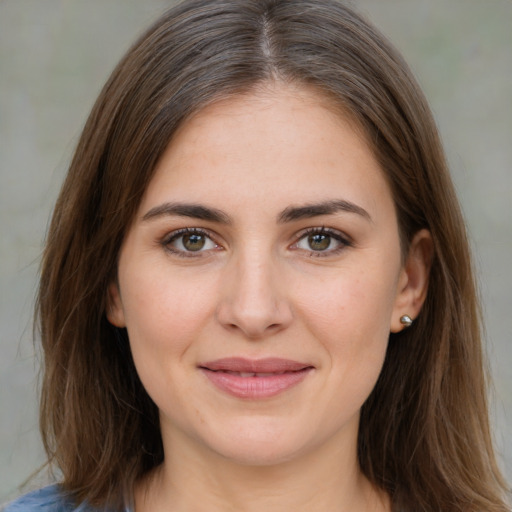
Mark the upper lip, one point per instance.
(266, 365)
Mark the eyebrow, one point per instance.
(289, 214)
(195, 211)
(324, 208)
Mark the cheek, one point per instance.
(350, 315)
(163, 322)
(359, 303)
(162, 319)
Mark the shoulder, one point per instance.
(48, 499)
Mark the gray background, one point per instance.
(55, 56)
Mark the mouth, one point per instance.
(255, 379)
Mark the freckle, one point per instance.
(198, 414)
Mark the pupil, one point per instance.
(319, 242)
(193, 242)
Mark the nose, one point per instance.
(253, 300)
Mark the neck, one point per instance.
(320, 480)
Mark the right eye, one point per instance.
(189, 242)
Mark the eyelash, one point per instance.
(175, 235)
(343, 241)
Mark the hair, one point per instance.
(424, 433)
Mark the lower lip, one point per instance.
(255, 387)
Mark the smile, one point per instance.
(253, 374)
(255, 379)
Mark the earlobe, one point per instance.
(115, 312)
(413, 281)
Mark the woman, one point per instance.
(257, 291)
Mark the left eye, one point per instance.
(190, 242)
(321, 241)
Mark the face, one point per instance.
(261, 278)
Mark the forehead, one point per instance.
(281, 140)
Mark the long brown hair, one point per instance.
(424, 432)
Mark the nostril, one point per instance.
(254, 314)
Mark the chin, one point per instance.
(259, 454)
(263, 444)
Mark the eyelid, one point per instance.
(341, 237)
(177, 233)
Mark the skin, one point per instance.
(259, 287)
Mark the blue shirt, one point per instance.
(48, 499)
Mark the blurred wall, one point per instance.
(55, 56)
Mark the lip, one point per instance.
(272, 375)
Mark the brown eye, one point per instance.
(189, 241)
(319, 241)
(322, 242)
(193, 242)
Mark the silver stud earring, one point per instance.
(406, 320)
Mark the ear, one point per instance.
(115, 312)
(413, 280)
